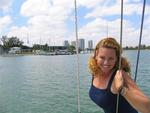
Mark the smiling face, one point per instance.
(106, 59)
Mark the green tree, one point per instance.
(45, 47)
(71, 49)
(36, 47)
(11, 42)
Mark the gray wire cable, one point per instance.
(139, 47)
(121, 27)
(77, 53)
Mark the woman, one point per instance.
(108, 81)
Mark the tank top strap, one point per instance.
(111, 79)
(92, 80)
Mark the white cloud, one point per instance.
(53, 8)
(147, 10)
(104, 11)
(115, 10)
(89, 3)
(128, 1)
(146, 29)
(4, 22)
(100, 28)
(47, 20)
(35, 7)
(130, 32)
(147, 21)
(5, 5)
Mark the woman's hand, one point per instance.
(118, 82)
(133, 95)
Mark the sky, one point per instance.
(53, 21)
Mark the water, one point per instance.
(47, 84)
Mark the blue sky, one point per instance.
(52, 21)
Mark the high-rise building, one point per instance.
(73, 43)
(81, 44)
(90, 44)
(66, 43)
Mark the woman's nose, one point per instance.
(106, 61)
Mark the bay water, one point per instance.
(48, 84)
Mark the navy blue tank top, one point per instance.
(107, 100)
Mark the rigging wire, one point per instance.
(139, 46)
(121, 27)
(77, 53)
(142, 21)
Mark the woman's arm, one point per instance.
(133, 94)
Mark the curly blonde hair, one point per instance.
(108, 42)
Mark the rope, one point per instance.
(121, 27)
(77, 53)
(139, 47)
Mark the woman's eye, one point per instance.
(102, 58)
(111, 58)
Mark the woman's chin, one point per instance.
(106, 70)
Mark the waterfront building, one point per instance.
(81, 44)
(66, 43)
(14, 50)
(90, 44)
(1, 49)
